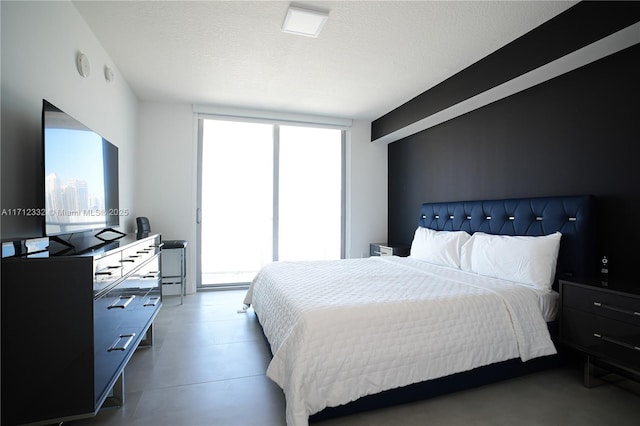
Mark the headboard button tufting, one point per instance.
(526, 216)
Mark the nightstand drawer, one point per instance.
(601, 303)
(602, 336)
(381, 249)
(385, 251)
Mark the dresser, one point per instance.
(71, 323)
(601, 319)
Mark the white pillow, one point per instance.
(526, 260)
(438, 247)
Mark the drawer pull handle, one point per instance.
(616, 309)
(127, 260)
(121, 302)
(145, 251)
(103, 273)
(116, 345)
(616, 342)
(153, 301)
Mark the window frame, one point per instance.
(277, 120)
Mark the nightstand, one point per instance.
(601, 319)
(384, 249)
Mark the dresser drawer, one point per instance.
(111, 352)
(133, 257)
(601, 303)
(602, 336)
(106, 271)
(145, 285)
(113, 309)
(137, 254)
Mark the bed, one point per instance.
(473, 303)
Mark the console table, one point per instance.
(71, 323)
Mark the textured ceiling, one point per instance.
(371, 56)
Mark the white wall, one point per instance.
(366, 191)
(166, 175)
(40, 41)
(167, 180)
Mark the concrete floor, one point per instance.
(208, 363)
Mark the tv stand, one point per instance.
(70, 324)
(120, 235)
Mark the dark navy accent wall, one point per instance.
(571, 30)
(578, 133)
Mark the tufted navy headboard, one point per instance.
(573, 216)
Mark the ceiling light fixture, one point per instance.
(304, 22)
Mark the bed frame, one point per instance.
(573, 216)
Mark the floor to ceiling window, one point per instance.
(267, 192)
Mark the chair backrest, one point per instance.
(144, 227)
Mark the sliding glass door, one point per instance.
(310, 194)
(267, 192)
(237, 200)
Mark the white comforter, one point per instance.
(343, 329)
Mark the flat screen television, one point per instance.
(80, 176)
